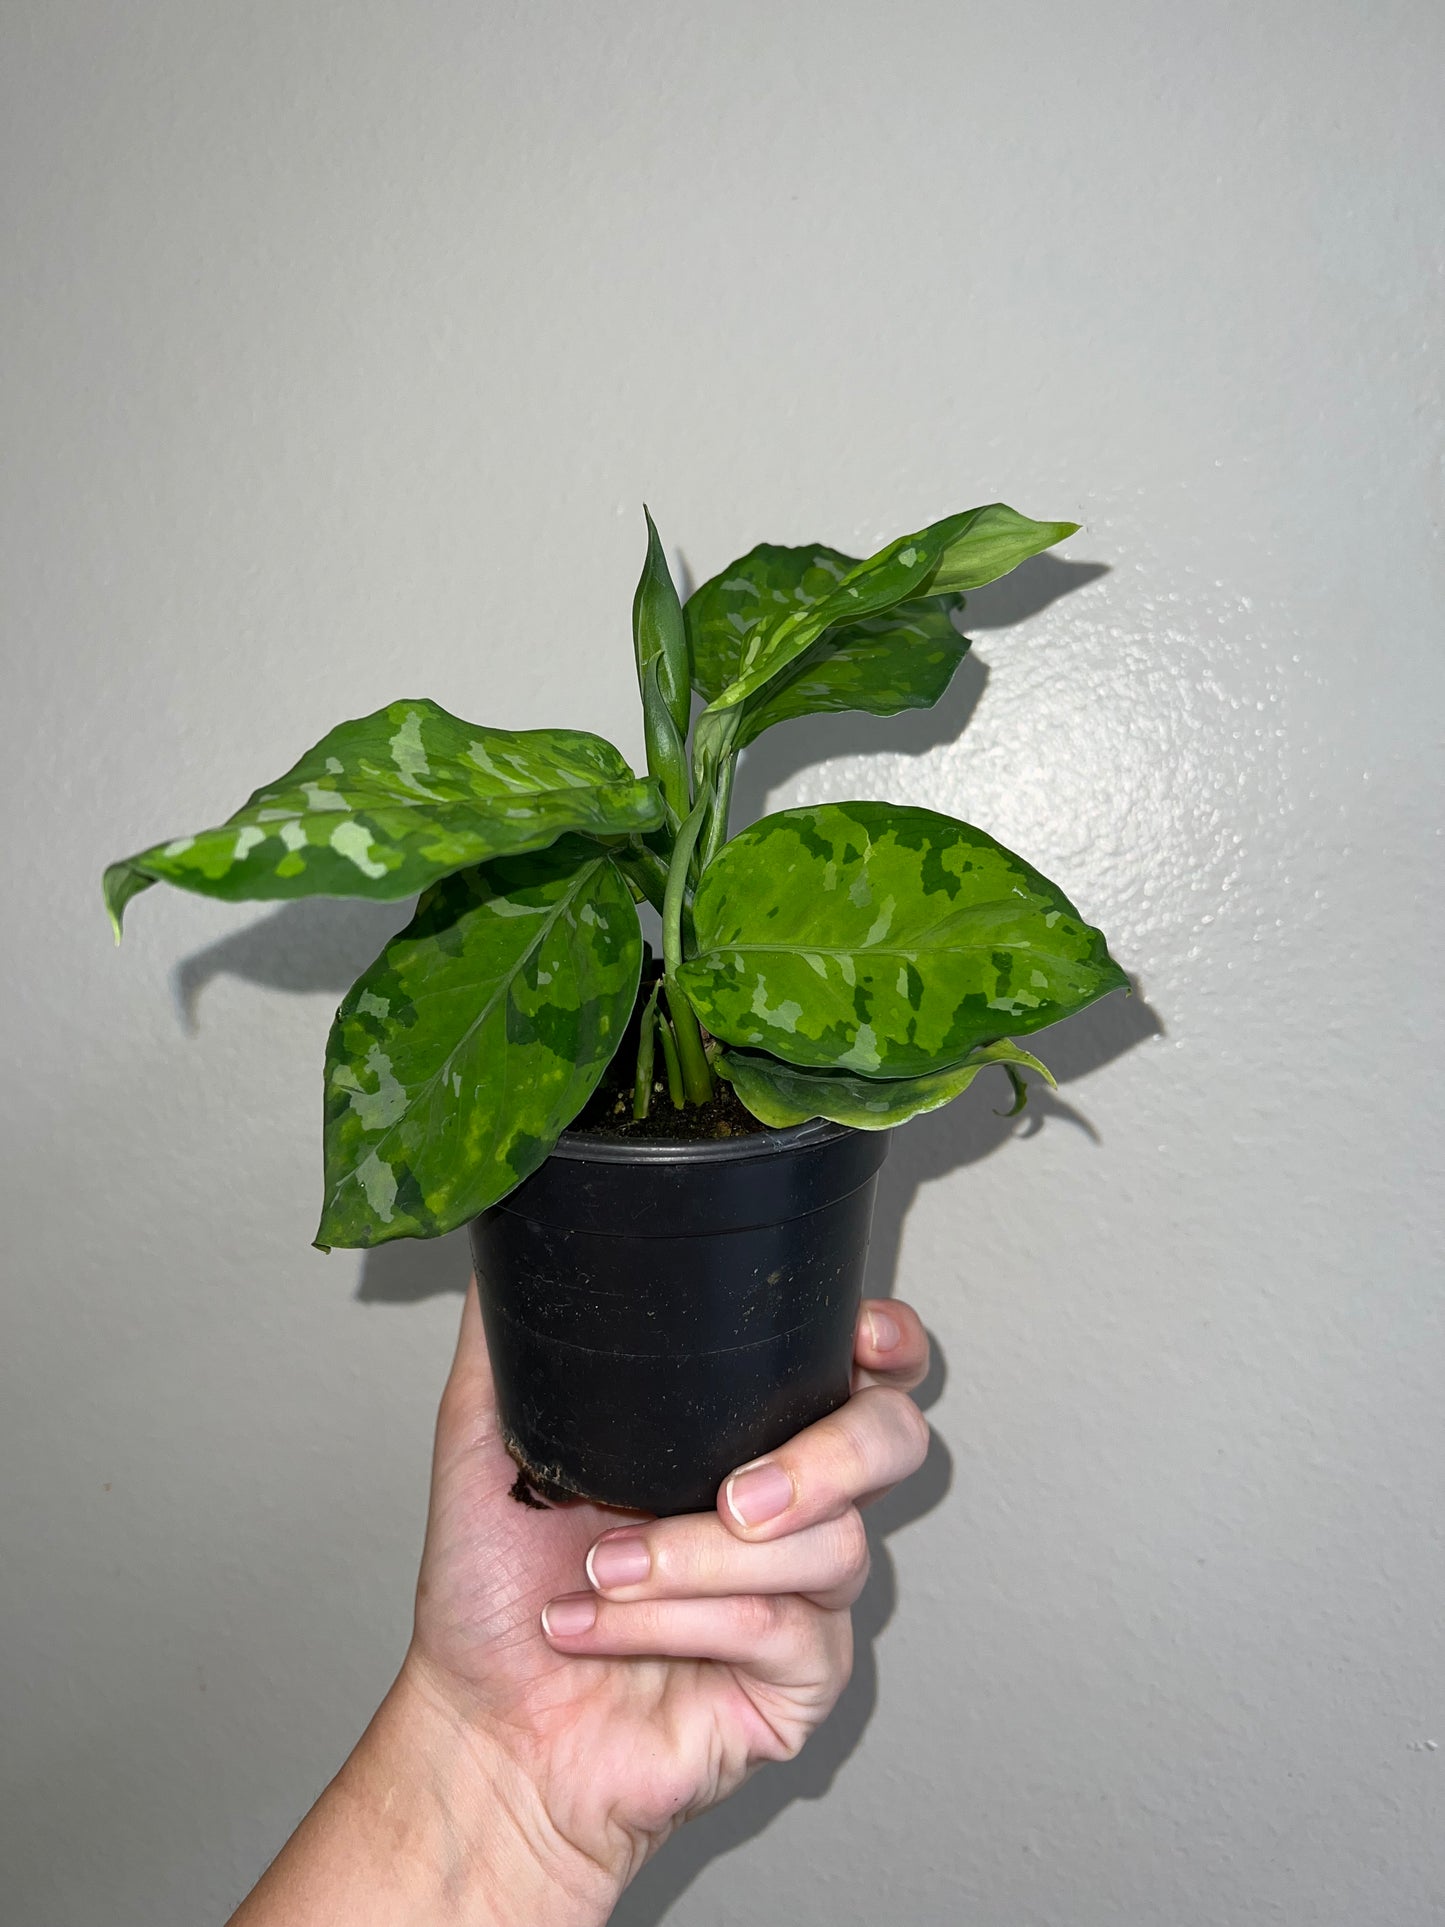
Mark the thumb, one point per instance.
(469, 1398)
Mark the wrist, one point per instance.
(466, 1830)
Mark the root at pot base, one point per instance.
(659, 1313)
(525, 1488)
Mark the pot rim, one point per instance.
(593, 1147)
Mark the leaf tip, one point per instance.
(114, 905)
(1021, 1092)
(325, 1238)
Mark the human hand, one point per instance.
(603, 1709)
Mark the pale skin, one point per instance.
(525, 1764)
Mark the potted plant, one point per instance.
(668, 1168)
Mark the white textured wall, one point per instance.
(342, 343)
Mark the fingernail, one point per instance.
(619, 1562)
(565, 1618)
(884, 1330)
(758, 1494)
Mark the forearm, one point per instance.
(426, 1824)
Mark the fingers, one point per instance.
(890, 1347)
(857, 1452)
(783, 1640)
(696, 1557)
(764, 1583)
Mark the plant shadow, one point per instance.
(323, 944)
(783, 753)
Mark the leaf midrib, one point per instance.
(425, 1089)
(884, 950)
(365, 799)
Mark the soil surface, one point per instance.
(609, 1114)
(609, 1110)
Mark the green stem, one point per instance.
(646, 1057)
(670, 1057)
(696, 1074)
(717, 822)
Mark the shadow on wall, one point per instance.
(928, 1148)
(324, 945)
(783, 752)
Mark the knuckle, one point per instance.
(851, 1556)
(852, 1446)
(840, 1648)
(682, 1559)
(914, 1427)
(758, 1618)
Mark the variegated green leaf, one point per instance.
(474, 1039)
(883, 940)
(748, 600)
(387, 804)
(960, 552)
(901, 659)
(781, 1094)
(989, 543)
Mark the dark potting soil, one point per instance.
(609, 1114)
(609, 1110)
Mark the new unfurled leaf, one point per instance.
(883, 940)
(962, 551)
(659, 633)
(780, 1094)
(901, 659)
(474, 1039)
(389, 803)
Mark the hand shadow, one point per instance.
(754, 1807)
(927, 1148)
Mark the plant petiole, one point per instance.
(646, 1057)
(696, 1072)
(673, 1062)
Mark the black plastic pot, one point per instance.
(660, 1313)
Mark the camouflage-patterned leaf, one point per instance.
(781, 1094)
(387, 804)
(748, 600)
(902, 659)
(962, 551)
(473, 1040)
(883, 940)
